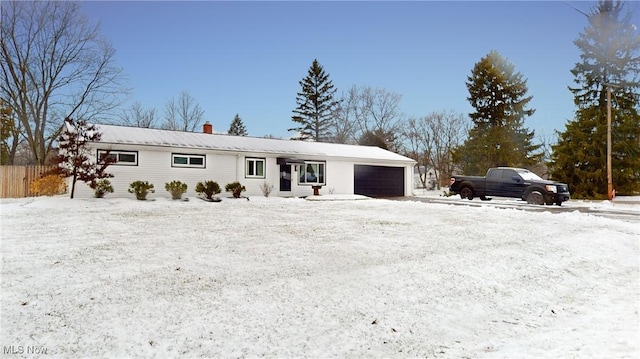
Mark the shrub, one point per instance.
(176, 188)
(266, 188)
(48, 185)
(141, 188)
(236, 188)
(102, 187)
(208, 188)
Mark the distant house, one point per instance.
(424, 178)
(292, 167)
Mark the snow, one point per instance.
(289, 277)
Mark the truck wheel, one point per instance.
(535, 197)
(467, 193)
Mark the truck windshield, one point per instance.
(529, 176)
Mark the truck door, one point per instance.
(493, 185)
(513, 184)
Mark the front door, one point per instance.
(285, 178)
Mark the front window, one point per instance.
(312, 173)
(120, 158)
(254, 168)
(181, 160)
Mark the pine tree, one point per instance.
(6, 130)
(610, 47)
(74, 159)
(498, 138)
(374, 138)
(315, 105)
(237, 127)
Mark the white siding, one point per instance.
(408, 181)
(223, 170)
(339, 178)
(155, 166)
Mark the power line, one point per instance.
(576, 9)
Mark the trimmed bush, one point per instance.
(176, 188)
(236, 188)
(208, 189)
(102, 187)
(48, 185)
(141, 189)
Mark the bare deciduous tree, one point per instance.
(416, 136)
(138, 116)
(546, 141)
(183, 114)
(54, 64)
(430, 141)
(344, 120)
(381, 110)
(366, 113)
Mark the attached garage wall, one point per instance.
(379, 181)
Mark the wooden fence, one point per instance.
(16, 180)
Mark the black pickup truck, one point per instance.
(510, 182)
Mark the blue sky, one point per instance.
(248, 57)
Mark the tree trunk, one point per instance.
(73, 184)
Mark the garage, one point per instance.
(378, 181)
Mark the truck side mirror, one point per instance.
(516, 179)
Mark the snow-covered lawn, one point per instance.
(287, 278)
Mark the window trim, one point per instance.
(118, 153)
(255, 160)
(189, 156)
(322, 174)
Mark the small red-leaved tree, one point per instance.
(74, 159)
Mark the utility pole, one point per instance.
(609, 179)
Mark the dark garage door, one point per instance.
(378, 181)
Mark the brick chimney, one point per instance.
(207, 128)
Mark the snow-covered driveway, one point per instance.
(623, 208)
(295, 278)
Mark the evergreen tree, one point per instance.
(74, 154)
(237, 127)
(498, 138)
(375, 138)
(610, 47)
(6, 130)
(315, 105)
